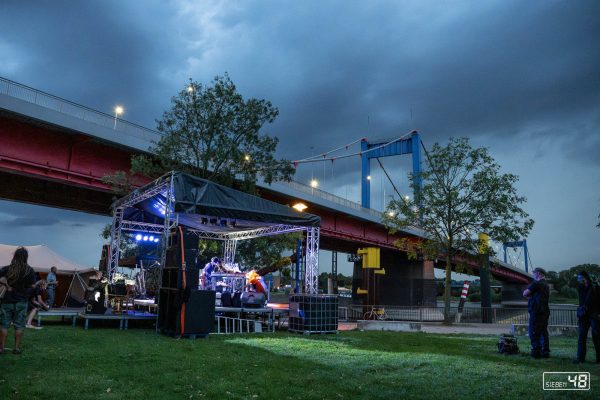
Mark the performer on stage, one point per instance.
(213, 266)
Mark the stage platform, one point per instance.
(122, 318)
(72, 313)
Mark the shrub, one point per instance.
(568, 291)
(475, 296)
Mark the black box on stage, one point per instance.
(95, 307)
(199, 312)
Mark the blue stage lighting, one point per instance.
(145, 238)
(156, 240)
(151, 238)
(138, 237)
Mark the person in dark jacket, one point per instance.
(20, 277)
(538, 293)
(587, 316)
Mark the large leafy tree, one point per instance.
(463, 193)
(213, 132)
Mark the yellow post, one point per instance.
(370, 257)
(484, 243)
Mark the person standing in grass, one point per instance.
(20, 277)
(538, 293)
(587, 316)
(52, 284)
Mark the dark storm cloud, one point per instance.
(507, 69)
(93, 53)
(507, 74)
(32, 221)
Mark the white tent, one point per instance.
(41, 259)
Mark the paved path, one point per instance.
(438, 327)
(474, 329)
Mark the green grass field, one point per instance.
(62, 362)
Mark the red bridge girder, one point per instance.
(48, 153)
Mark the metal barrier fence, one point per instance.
(34, 96)
(503, 316)
(232, 325)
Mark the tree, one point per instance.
(266, 252)
(212, 132)
(568, 277)
(463, 193)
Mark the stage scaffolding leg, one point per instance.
(311, 276)
(229, 251)
(115, 243)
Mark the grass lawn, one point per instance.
(62, 362)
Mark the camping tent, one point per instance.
(71, 276)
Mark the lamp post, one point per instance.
(118, 111)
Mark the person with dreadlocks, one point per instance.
(19, 277)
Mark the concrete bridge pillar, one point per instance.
(405, 283)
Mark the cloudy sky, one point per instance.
(519, 77)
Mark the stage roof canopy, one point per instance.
(205, 206)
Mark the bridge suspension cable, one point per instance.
(324, 156)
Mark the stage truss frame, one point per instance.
(164, 185)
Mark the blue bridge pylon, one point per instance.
(408, 145)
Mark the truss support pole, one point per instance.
(115, 243)
(334, 265)
(229, 251)
(311, 276)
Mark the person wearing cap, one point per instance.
(587, 316)
(538, 293)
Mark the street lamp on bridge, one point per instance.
(118, 111)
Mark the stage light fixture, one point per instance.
(145, 238)
(138, 237)
(204, 221)
(156, 240)
(151, 238)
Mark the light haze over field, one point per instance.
(522, 78)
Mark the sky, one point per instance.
(520, 78)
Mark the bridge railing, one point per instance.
(330, 197)
(42, 99)
(502, 316)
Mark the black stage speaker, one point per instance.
(172, 275)
(172, 278)
(199, 318)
